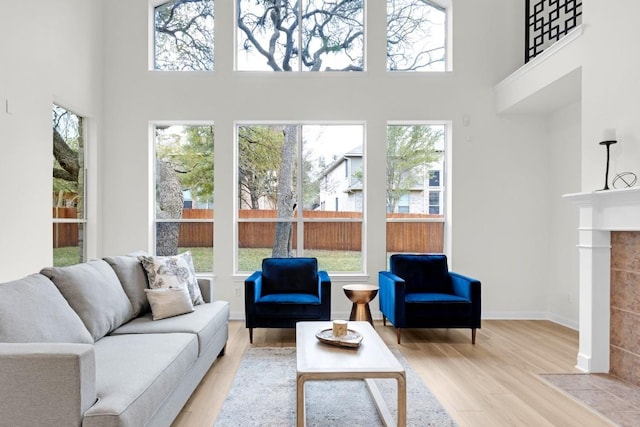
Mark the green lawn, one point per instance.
(67, 255)
(249, 259)
(337, 261)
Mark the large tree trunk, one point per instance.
(286, 198)
(169, 206)
(255, 195)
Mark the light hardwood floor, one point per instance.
(493, 383)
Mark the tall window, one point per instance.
(415, 161)
(300, 35)
(294, 198)
(183, 35)
(69, 213)
(184, 192)
(416, 35)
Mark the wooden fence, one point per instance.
(65, 234)
(328, 235)
(196, 234)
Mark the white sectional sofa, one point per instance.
(79, 347)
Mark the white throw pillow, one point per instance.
(173, 272)
(169, 302)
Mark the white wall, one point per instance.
(564, 153)
(497, 166)
(608, 99)
(611, 89)
(50, 52)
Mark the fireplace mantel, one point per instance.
(600, 212)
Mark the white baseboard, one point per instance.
(564, 321)
(531, 315)
(492, 315)
(515, 315)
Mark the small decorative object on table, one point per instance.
(624, 180)
(350, 338)
(339, 328)
(609, 138)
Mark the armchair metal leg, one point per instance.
(473, 335)
(398, 334)
(384, 320)
(250, 335)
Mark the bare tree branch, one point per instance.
(66, 157)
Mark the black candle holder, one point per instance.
(606, 173)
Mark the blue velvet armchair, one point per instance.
(419, 291)
(285, 291)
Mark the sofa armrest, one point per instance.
(253, 287)
(463, 286)
(46, 383)
(391, 295)
(324, 292)
(206, 288)
(324, 284)
(469, 288)
(252, 291)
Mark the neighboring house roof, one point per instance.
(353, 153)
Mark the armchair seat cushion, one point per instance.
(289, 299)
(437, 306)
(433, 298)
(287, 311)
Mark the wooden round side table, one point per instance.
(360, 295)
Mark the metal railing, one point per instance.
(547, 21)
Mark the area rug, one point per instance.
(263, 393)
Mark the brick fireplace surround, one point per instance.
(624, 351)
(609, 257)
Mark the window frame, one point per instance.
(298, 220)
(82, 222)
(151, 40)
(299, 68)
(447, 7)
(444, 182)
(155, 221)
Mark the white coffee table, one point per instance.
(372, 359)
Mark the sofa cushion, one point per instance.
(173, 272)
(33, 310)
(133, 279)
(94, 292)
(205, 321)
(169, 302)
(135, 374)
(290, 276)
